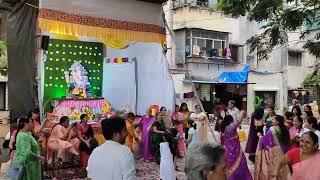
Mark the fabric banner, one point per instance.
(154, 82)
(21, 42)
(119, 85)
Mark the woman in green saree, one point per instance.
(27, 151)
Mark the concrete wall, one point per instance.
(273, 82)
(209, 71)
(182, 87)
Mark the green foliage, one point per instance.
(312, 79)
(301, 16)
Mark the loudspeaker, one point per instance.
(45, 42)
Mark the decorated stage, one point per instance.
(73, 108)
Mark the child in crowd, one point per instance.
(130, 128)
(137, 143)
(180, 139)
(167, 154)
(181, 145)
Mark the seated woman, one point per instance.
(86, 151)
(60, 140)
(87, 140)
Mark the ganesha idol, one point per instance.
(77, 80)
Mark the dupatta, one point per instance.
(307, 169)
(268, 154)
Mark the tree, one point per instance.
(280, 18)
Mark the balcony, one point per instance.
(154, 1)
(210, 60)
(194, 3)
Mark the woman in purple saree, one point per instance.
(256, 126)
(237, 168)
(147, 121)
(271, 149)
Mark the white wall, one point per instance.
(183, 87)
(272, 82)
(155, 84)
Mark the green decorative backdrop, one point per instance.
(61, 55)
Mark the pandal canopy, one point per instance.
(73, 19)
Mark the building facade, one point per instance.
(205, 44)
(201, 38)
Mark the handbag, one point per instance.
(15, 171)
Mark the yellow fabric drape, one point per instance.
(116, 44)
(65, 37)
(69, 29)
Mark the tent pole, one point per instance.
(134, 60)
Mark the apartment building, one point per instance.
(208, 44)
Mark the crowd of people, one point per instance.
(281, 147)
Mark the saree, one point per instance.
(147, 122)
(253, 139)
(269, 153)
(202, 127)
(307, 169)
(237, 168)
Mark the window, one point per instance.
(236, 53)
(294, 58)
(204, 42)
(202, 2)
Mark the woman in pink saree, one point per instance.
(147, 121)
(304, 160)
(60, 140)
(271, 149)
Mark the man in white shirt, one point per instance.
(233, 111)
(112, 160)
